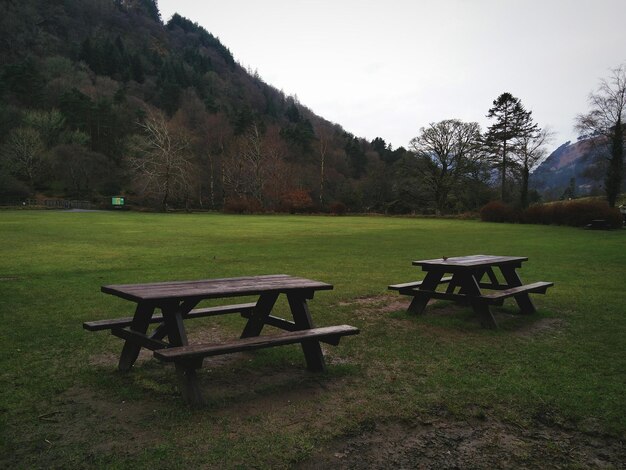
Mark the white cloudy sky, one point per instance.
(388, 67)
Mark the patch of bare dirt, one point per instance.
(382, 303)
(284, 395)
(374, 306)
(79, 411)
(443, 443)
(367, 306)
(542, 326)
(111, 359)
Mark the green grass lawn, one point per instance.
(63, 404)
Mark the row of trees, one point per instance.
(450, 166)
(164, 115)
(456, 153)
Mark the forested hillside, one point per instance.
(572, 170)
(101, 98)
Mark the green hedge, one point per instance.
(576, 213)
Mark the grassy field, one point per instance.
(64, 405)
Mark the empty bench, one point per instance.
(97, 325)
(535, 288)
(329, 334)
(409, 286)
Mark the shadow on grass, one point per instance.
(224, 380)
(449, 315)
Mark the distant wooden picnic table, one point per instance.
(177, 302)
(466, 283)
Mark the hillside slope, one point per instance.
(100, 98)
(578, 166)
(79, 78)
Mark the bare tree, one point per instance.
(530, 152)
(606, 118)
(447, 149)
(218, 133)
(254, 168)
(324, 135)
(162, 160)
(23, 153)
(254, 157)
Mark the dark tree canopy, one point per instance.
(512, 121)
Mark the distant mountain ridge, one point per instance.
(579, 165)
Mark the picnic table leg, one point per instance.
(430, 283)
(263, 308)
(523, 300)
(302, 318)
(188, 384)
(140, 323)
(492, 277)
(484, 314)
(470, 287)
(186, 372)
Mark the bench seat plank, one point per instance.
(410, 285)
(98, 325)
(494, 298)
(536, 288)
(195, 351)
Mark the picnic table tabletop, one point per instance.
(214, 288)
(471, 261)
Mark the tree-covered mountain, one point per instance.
(101, 98)
(572, 170)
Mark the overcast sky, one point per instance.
(387, 68)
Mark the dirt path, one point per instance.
(442, 443)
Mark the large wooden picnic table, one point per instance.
(177, 302)
(466, 284)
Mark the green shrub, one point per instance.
(296, 201)
(242, 206)
(338, 208)
(576, 213)
(498, 211)
(539, 214)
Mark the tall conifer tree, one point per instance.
(512, 122)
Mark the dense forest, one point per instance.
(101, 98)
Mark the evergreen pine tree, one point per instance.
(512, 122)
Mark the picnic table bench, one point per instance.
(599, 224)
(177, 302)
(466, 281)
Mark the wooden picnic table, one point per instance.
(466, 283)
(177, 303)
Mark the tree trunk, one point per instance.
(322, 180)
(616, 165)
(503, 176)
(524, 189)
(211, 182)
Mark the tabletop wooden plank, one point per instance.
(213, 288)
(471, 261)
